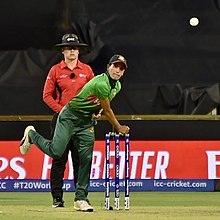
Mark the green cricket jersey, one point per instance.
(87, 101)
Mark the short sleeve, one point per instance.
(102, 90)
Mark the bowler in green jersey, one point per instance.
(76, 122)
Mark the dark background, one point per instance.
(140, 130)
(173, 67)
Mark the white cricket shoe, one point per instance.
(25, 143)
(82, 205)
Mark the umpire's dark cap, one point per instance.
(70, 40)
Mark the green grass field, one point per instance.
(143, 205)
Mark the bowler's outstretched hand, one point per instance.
(124, 129)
